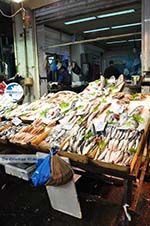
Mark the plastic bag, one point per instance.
(61, 172)
(43, 171)
(52, 170)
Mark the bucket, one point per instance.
(28, 81)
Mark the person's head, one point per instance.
(124, 63)
(111, 62)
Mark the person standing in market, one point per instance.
(2, 84)
(111, 70)
(64, 78)
(126, 72)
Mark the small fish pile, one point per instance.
(79, 140)
(112, 145)
(49, 107)
(56, 136)
(6, 105)
(10, 131)
(124, 118)
(119, 146)
(4, 125)
(27, 134)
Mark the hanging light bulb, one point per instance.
(27, 18)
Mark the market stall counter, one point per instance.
(101, 130)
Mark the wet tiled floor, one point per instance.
(24, 205)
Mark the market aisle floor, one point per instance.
(23, 205)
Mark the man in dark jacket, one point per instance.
(111, 70)
(64, 78)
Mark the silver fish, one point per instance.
(87, 148)
(107, 156)
(118, 157)
(124, 146)
(102, 155)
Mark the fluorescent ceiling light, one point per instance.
(96, 30)
(125, 25)
(123, 41)
(135, 40)
(116, 42)
(17, 1)
(116, 13)
(80, 20)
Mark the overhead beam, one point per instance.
(94, 40)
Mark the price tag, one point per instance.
(100, 126)
(46, 120)
(16, 121)
(68, 126)
(118, 109)
(81, 113)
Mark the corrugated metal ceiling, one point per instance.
(57, 13)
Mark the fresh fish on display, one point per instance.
(115, 145)
(128, 161)
(137, 142)
(113, 132)
(120, 145)
(71, 141)
(108, 156)
(76, 144)
(111, 157)
(107, 139)
(116, 134)
(87, 147)
(120, 134)
(98, 152)
(91, 117)
(68, 118)
(110, 144)
(93, 152)
(137, 110)
(80, 148)
(66, 146)
(125, 145)
(136, 134)
(103, 154)
(125, 157)
(130, 144)
(126, 134)
(118, 157)
(131, 134)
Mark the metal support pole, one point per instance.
(128, 191)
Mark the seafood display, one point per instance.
(6, 105)
(101, 122)
(8, 130)
(50, 106)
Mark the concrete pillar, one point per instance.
(27, 64)
(146, 37)
(42, 59)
